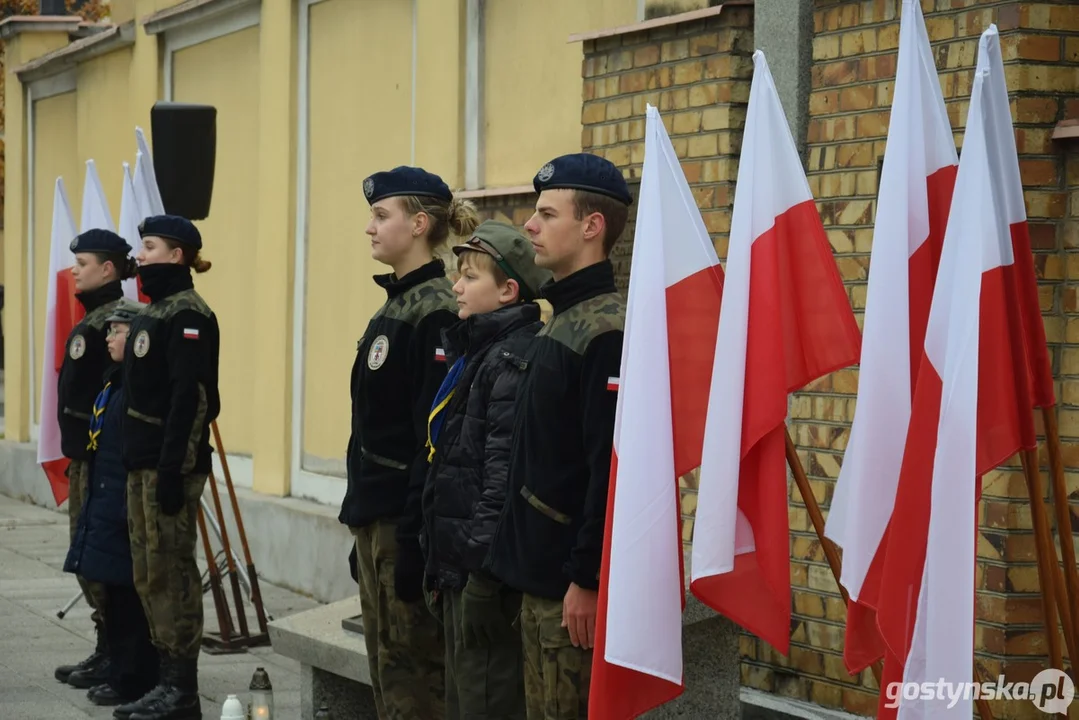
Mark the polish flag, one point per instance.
(62, 313)
(912, 208)
(984, 367)
(786, 321)
(147, 191)
(675, 288)
(129, 231)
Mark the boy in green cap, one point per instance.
(469, 433)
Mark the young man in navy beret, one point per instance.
(550, 540)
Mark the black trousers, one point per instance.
(133, 670)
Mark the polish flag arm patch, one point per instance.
(440, 355)
(191, 333)
(613, 383)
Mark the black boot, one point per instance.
(126, 711)
(90, 677)
(89, 664)
(181, 700)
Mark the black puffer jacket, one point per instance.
(466, 485)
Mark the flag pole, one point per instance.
(1064, 524)
(1044, 547)
(813, 509)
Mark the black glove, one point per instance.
(482, 621)
(408, 571)
(353, 568)
(170, 493)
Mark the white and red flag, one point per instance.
(129, 230)
(915, 192)
(62, 313)
(675, 288)
(147, 192)
(786, 321)
(984, 368)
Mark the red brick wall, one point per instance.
(852, 76)
(697, 73)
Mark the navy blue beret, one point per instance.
(172, 227)
(583, 171)
(100, 241)
(405, 180)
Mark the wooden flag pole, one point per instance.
(1046, 554)
(1064, 527)
(832, 554)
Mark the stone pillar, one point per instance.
(783, 30)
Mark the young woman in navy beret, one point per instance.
(171, 382)
(400, 364)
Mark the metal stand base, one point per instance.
(213, 644)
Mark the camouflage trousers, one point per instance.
(78, 476)
(557, 674)
(483, 683)
(404, 641)
(167, 576)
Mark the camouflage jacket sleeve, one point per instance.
(192, 389)
(602, 360)
(428, 370)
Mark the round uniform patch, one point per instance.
(376, 356)
(546, 172)
(142, 344)
(78, 347)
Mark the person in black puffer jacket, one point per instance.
(101, 550)
(469, 441)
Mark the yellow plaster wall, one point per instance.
(224, 72)
(440, 62)
(106, 135)
(55, 154)
(359, 123)
(533, 81)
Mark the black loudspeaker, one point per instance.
(185, 147)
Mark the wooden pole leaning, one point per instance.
(256, 594)
(224, 622)
(832, 554)
(1064, 528)
(232, 642)
(1047, 557)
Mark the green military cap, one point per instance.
(512, 252)
(125, 311)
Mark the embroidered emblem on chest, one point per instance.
(142, 344)
(376, 356)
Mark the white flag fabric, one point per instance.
(146, 188)
(95, 206)
(912, 208)
(49, 453)
(129, 227)
(675, 289)
(984, 368)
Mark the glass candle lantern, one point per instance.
(261, 696)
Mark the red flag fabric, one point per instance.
(674, 293)
(912, 209)
(786, 321)
(984, 368)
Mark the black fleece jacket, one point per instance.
(551, 532)
(86, 359)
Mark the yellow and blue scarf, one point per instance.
(97, 419)
(442, 401)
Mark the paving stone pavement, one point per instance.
(33, 641)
